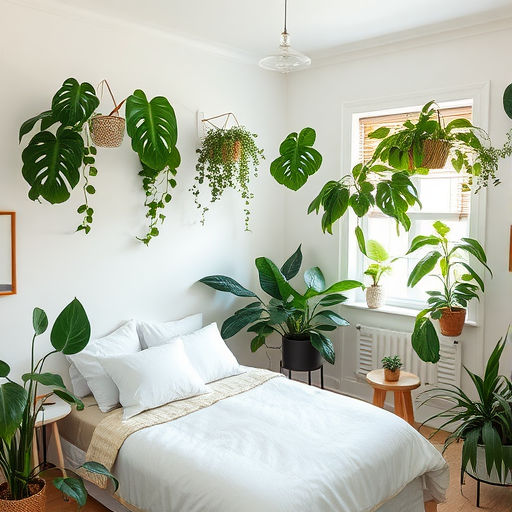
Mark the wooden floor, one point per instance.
(492, 498)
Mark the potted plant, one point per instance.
(227, 158)
(374, 251)
(19, 409)
(484, 424)
(300, 318)
(459, 284)
(391, 365)
(54, 163)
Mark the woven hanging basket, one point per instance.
(34, 503)
(435, 154)
(452, 321)
(107, 131)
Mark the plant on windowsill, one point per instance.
(297, 317)
(19, 408)
(459, 284)
(373, 250)
(54, 163)
(484, 424)
(227, 158)
(391, 365)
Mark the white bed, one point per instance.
(281, 446)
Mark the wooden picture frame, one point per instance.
(7, 253)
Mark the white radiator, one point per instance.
(373, 344)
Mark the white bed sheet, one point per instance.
(282, 446)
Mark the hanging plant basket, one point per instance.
(36, 502)
(452, 321)
(435, 154)
(108, 131)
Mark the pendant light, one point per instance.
(285, 59)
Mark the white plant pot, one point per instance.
(481, 470)
(375, 296)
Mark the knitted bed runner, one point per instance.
(112, 431)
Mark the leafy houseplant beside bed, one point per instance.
(294, 315)
(18, 412)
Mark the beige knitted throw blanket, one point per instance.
(111, 433)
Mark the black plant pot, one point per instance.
(299, 355)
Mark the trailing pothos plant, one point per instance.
(20, 405)
(227, 158)
(54, 163)
(298, 159)
(459, 282)
(288, 312)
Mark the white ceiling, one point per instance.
(317, 27)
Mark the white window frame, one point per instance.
(351, 260)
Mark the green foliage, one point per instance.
(391, 363)
(287, 312)
(70, 334)
(54, 164)
(486, 421)
(225, 159)
(460, 283)
(374, 251)
(298, 159)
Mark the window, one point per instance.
(441, 192)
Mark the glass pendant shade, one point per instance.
(285, 59)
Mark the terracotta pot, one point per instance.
(435, 154)
(299, 355)
(390, 375)
(34, 503)
(375, 296)
(452, 320)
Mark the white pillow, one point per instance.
(155, 334)
(78, 382)
(153, 377)
(210, 355)
(122, 341)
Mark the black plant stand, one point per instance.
(321, 368)
(478, 482)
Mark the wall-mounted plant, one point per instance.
(54, 163)
(298, 159)
(227, 158)
(460, 283)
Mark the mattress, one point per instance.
(282, 446)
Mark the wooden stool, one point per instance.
(402, 389)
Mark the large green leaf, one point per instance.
(314, 279)
(13, 400)
(39, 321)
(5, 369)
(272, 280)
(425, 341)
(423, 267)
(507, 101)
(343, 286)
(376, 252)
(68, 397)
(421, 241)
(226, 284)
(46, 379)
(292, 265)
(71, 330)
(72, 487)
(100, 469)
(47, 116)
(74, 103)
(324, 345)
(360, 240)
(152, 127)
(51, 165)
(242, 318)
(298, 159)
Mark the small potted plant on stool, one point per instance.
(391, 365)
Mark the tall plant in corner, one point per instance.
(19, 406)
(54, 163)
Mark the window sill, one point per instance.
(393, 310)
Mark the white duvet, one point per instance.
(282, 446)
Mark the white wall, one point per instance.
(113, 275)
(316, 97)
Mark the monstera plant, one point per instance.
(298, 159)
(55, 161)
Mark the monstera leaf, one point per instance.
(298, 159)
(51, 165)
(152, 127)
(74, 103)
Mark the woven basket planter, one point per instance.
(107, 131)
(391, 376)
(435, 154)
(452, 321)
(34, 503)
